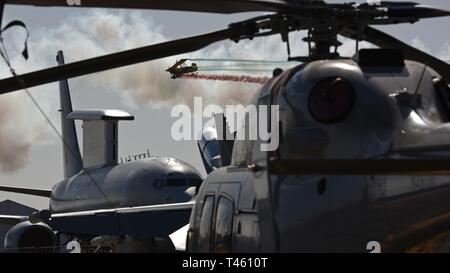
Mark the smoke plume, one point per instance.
(18, 132)
(95, 33)
(229, 78)
(92, 34)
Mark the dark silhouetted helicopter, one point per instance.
(362, 163)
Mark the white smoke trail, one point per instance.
(13, 147)
(19, 130)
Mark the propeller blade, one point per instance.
(214, 6)
(120, 59)
(384, 40)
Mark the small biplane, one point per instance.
(180, 68)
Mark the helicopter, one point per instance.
(363, 157)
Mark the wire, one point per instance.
(4, 55)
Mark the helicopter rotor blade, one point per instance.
(236, 31)
(214, 6)
(416, 11)
(120, 59)
(384, 40)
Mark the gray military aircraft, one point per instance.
(160, 189)
(363, 157)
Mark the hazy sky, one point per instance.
(78, 33)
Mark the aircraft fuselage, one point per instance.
(138, 183)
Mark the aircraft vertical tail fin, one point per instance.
(73, 162)
(209, 148)
(216, 144)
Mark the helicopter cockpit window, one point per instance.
(224, 225)
(205, 225)
(428, 108)
(442, 91)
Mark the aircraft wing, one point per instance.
(155, 220)
(34, 192)
(12, 219)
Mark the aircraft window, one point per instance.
(429, 101)
(175, 180)
(224, 225)
(193, 182)
(442, 92)
(430, 111)
(205, 225)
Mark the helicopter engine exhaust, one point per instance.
(223, 77)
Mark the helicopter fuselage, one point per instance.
(334, 109)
